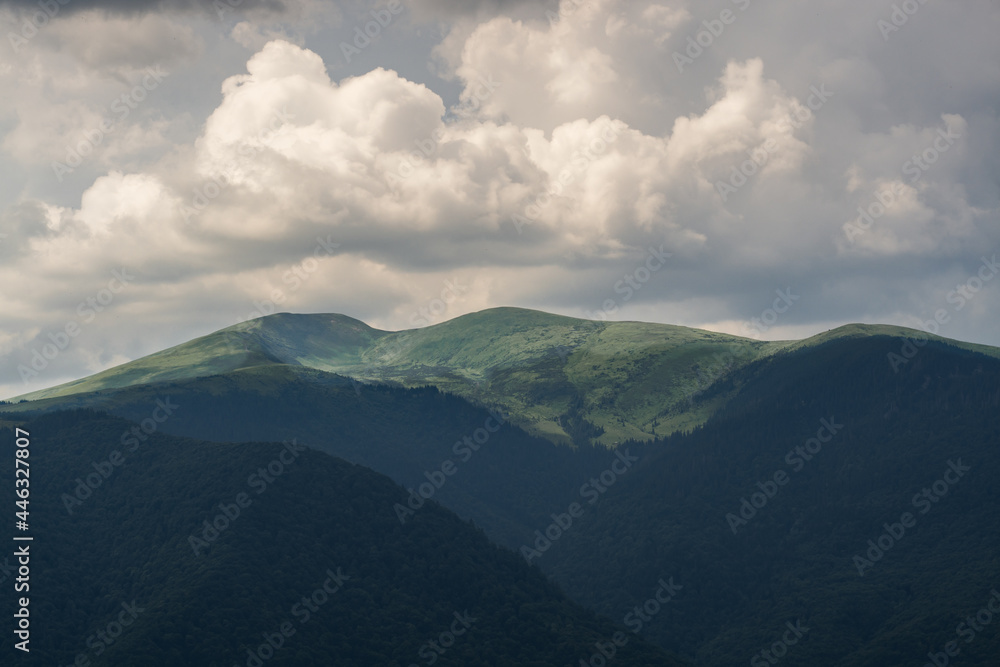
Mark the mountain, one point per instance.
(192, 553)
(775, 523)
(503, 478)
(830, 492)
(564, 379)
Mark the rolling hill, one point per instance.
(564, 379)
(678, 512)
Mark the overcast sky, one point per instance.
(170, 168)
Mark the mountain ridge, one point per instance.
(790, 561)
(562, 378)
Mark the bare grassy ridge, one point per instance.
(561, 378)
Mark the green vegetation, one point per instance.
(505, 485)
(679, 513)
(564, 379)
(793, 559)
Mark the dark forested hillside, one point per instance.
(204, 554)
(837, 509)
(494, 473)
(832, 492)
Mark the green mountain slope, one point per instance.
(281, 339)
(504, 479)
(666, 516)
(561, 378)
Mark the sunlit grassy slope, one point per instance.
(560, 377)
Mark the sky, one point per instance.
(767, 169)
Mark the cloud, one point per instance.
(126, 44)
(288, 153)
(125, 7)
(585, 60)
(539, 170)
(452, 10)
(85, 90)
